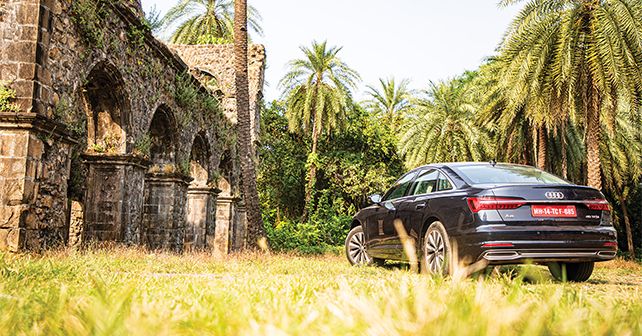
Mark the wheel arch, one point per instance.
(427, 224)
(354, 224)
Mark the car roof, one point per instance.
(466, 164)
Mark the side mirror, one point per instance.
(376, 198)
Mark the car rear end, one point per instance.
(539, 222)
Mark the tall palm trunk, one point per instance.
(312, 174)
(627, 227)
(246, 147)
(594, 166)
(541, 148)
(564, 154)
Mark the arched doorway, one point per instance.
(226, 203)
(200, 195)
(164, 214)
(113, 198)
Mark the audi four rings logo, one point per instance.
(554, 195)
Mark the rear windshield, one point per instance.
(507, 174)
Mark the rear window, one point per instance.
(507, 174)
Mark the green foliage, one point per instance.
(143, 145)
(317, 90)
(353, 164)
(153, 20)
(87, 15)
(186, 91)
(327, 227)
(281, 173)
(390, 101)
(206, 21)
(137, 35)
(442, 127)
(7, 97)
(184, 167)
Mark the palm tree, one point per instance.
(206, 21)
(246, 147)
(621, 154)
(575, 59)
(317, 91)
(442, 127)
(391, 100)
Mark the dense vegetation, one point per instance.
(129, 292)
(563, 93)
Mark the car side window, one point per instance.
(426, 183)
(444, 184)
(400, 188)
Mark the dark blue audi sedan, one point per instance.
(489, 212)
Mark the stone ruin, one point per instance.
(117, 138)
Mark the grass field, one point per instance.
(123, 292)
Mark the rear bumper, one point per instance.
(509, 255)
(501, 244)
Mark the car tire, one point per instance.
(356, 252)
(575, 272)
(436, 250)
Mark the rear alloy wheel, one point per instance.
(574, 272)
(356, 248)
(436, 250)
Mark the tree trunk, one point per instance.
(312, 174)
(594, 167)
(627, 227)
(541, 148)
(246, 147)
(564, 156)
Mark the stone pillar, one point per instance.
(200, 204)
(240, 227)
(164, 216)
(225, 210)
(76, 224)
(34, 168)
(114, 198)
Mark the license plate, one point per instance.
(558, 211)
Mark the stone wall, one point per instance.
(102, 121)
(216, 63)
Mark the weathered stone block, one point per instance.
(27, 14)
(10, 239)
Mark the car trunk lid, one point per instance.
(552, 205)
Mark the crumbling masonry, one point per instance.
(116, 138)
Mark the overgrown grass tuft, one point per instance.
(129, 291)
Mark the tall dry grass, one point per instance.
(130, 291)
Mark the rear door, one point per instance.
(432, 194)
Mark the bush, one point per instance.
(325, 231)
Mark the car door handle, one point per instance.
(420, 206)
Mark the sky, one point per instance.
(421, 40)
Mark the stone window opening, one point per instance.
(106, 109)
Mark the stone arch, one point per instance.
(199, 161)
(201, 196)
(163, 135)
(164, 215)
(107, 109)
(226, 171)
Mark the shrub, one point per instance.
(7, 97)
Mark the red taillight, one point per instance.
(498, 245)
(598, 204)
(478, 204)
(610, 244)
